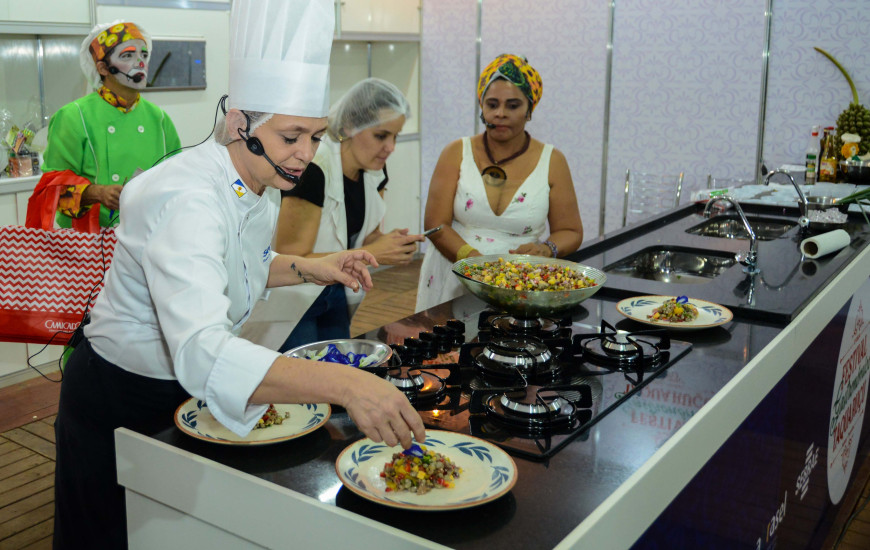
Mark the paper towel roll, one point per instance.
(826, 243)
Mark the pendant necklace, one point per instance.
(497, 175)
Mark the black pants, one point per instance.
(95, 398)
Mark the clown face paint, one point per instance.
(131, 60)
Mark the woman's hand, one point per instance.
(107, 195)
(379, 409)
(535, 249)
(382, 412)
(395, 247)
(349, 267)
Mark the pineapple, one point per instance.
(856, 118)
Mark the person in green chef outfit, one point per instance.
(100, 141)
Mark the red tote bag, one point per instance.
(47, 279)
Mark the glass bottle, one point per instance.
(825, 132)
(828, 161)
(812, 157)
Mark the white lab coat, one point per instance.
(193, 256)
(275, 317)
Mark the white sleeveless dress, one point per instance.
(523, 221)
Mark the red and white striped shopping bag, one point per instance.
(47, 279)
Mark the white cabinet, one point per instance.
(379, 16)
(46, 11)
(13, 357)
(8, 210)
(381, 38)
(402, 194)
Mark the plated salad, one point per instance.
(271, 418)
(675, 310)
(527, 276)
(419, 470)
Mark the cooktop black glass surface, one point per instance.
(531, 386)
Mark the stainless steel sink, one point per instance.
(729, 226)
(673, 264)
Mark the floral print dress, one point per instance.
(523, 221)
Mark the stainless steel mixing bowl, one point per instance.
(529, 303)
(381, 351)
(821, 204)
(856, 171)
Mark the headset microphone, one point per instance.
(138, 77)
(256, 147)
(485, 123)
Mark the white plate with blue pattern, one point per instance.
(640, 308)
(487, 472)
(193, 418)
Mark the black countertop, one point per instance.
(550, 498)
(787, 281)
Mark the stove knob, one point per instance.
(445, 338)
(401, 352)
(414, 351)
(457, 329)
(429, 345)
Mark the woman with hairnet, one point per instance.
(496, 193)
(98, 142)
(339, 205)
(193, 255)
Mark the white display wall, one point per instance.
(685, 92)
(570, 113)
(685, 89)
(805, 88)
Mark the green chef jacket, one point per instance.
(100, 143)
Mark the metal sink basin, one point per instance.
(673, 264)
(729, 226)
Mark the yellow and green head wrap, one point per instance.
(111, 37)
(515, 70)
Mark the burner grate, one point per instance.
(533, 387)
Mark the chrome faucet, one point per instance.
(802, 200)
(750, 259)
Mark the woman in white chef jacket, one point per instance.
(339, 205)
(193, 255)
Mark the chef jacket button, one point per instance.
(141, 129)
(116, 177)
(111, 129)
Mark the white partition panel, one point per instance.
(448, 79)
(685, 92)
(804, 87)
(565, 41)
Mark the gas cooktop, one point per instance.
(531, 386)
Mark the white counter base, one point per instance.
(184, 497)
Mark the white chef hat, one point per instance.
(279, 56)
(88, 57)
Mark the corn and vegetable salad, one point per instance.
(527, 276)
(675, 310)
(420, 474)
(271, 418)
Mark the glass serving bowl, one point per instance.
(529, 304)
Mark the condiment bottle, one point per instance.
(828, 162)
(812, 157)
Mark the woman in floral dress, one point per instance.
(497, 192)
